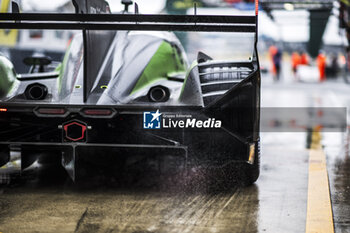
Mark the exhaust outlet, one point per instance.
(159, 94)
(36, 91)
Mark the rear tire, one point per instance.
(251, 172)
(245, 174)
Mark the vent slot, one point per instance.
(217, 78)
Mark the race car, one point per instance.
(126, 87)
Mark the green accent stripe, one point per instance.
(166, 60)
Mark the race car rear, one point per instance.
(132, 95)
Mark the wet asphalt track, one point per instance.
(278, 202)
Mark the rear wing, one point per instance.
(138, 22)
(88, 23)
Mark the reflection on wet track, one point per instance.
(63, 207)
(148, 203)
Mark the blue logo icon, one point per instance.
(152, 120)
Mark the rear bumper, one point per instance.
(69, 151)
(72, 153)
(74, 157)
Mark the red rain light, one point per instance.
(52, 111)
(98, 112)
(77, 138)
(3, 109)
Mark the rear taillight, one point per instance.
(98, 112)
(3, 109)
(52, 111)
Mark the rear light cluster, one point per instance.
(3, 109)
(84, 112)
(98, 112)
(52, 111)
